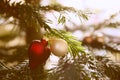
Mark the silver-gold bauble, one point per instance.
(59, 47)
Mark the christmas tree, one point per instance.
(74, 63)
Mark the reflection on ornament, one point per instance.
(58, 47)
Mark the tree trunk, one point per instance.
(32, 34)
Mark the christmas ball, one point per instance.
(88, 39)
(100, 38)
(38, 53)
(58, 47)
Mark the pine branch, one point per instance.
(113, 46)
(63, 9)
(3, 67)
(86, 67)
(108, 67)
(29, 15)
(82, 68)
(24, 11)
(75, 46)
(108, 22)
(19, 72)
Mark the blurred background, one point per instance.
(100, 33)
(103, 24)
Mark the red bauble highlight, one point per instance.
(38, 53)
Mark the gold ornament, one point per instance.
(58, 47)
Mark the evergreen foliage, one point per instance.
(80, 66)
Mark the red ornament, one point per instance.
(38, 53)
